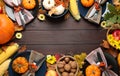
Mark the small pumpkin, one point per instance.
(28, 4)
(7, 29)
(118, 59)
(93, 70)
(20, 65)
(87, 3)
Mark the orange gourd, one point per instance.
(20, 65)
(93, 70)
(6, 29)
(87, 3)
(28, 4)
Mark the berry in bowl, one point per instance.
(55, 8)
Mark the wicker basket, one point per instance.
(109, 31)
(71, 58)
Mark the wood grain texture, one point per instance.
(62, 36)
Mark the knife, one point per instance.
(99, 57)
(92, 12)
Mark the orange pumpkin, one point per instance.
(93, 70)
(20, 65)
(28, 4)
(87, 3)
(6, 29)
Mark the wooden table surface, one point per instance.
(62, 36)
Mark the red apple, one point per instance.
(1, 10)
(116, 34)
(51, 73)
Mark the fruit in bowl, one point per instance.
(67, 66)
(113, 37)
(55, 8)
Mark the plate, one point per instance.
(10, 12)
(83, 10)
(26, 54)
(110, 60)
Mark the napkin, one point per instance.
(36, 58)
(22, 15)
(95, 12)
(92, 58)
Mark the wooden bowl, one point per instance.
(64, 60)
(110, 39)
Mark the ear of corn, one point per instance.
(4, 66)
(74, 10)
(11, 49)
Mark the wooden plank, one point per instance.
(63, 49)
(61, 24)
(62, 37)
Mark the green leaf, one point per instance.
(108, 15)
(112, 8)
(109, 23)
(118, 19)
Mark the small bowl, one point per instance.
(54, 16)
(62, 59)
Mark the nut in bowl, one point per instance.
(55, 8)
(67, 66)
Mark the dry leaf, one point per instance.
(2, 4)
(105, 44)
(41, 11)
(113, 52)
(67, 16)
(53, 10)
(51, 66)
(4, 47)
(18, 27)
(22, 49)
(6, 73)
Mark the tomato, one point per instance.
(116, 34)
